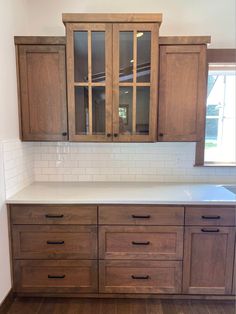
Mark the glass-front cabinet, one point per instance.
(112, 81)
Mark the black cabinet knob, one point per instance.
(161, 134)
(115, 134)
(108, 134)
(64, 133)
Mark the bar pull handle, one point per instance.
(210, 230)
(141, 216)
(210, 217)
(140, 277)
(54, 216)
(141, 243)
(56, 277)
(55, 242)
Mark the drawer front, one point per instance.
(53, 214)
(141, 215)
(140, 276)
(54, 242)
(55, 276)
(163, 243)
(210, 216)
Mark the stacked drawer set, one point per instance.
(122, 249)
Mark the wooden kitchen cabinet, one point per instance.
(42, 89)
(112, 77)
(182, 92)
(208, 260)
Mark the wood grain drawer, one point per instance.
(53, 214)
(140, 276)
(55, 276)
(141, 215)
(54, 242)
(210, 216)
(139, 242)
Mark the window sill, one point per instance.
(216, 165)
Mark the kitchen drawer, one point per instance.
(140, 276)
(210, 216)
(53, 214)
(54, 242)
(141, 215)
(141, 242)
(35, 276)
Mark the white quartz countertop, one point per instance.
(123, 193)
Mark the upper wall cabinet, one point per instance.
(182, 91)
(42, 89)
(112, 72)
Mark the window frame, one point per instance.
(213, 56)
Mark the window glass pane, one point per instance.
(98, 56)
(81, 110)
(125, 110)
(81, 56)
(98, 107)
(143, 56)
(126, 56)
(220, 140)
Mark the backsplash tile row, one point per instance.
(162, 162)
(18, 159)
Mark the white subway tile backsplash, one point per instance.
(161, 162)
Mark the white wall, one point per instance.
(182, 17)
(12, 16)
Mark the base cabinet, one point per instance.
(140, 249)
(208, 260)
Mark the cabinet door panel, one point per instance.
(43, 92)
(138, 242)
(140, 276)
(135, 75)
(60, 276)
(182, 94)
(89, 73)
(208, 260)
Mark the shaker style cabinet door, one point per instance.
(89, 78)
(182, 93)
(135, 75)
(42, 92)
(208, 260)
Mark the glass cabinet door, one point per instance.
(89, 62)
(135, 71)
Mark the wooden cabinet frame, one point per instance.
(112, 81)
(70, 29)
(154, 29)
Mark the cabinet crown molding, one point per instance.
(112, 17)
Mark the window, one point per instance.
(219, 145)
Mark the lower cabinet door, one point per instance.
(34, 276)
(140, 276)
(208, 260)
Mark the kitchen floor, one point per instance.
(119, 306)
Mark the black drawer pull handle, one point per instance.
(141, 216)
(210, 217)
(55, 242)
(210, 230)
(54, 216)
(56, 277)
(140, 277)
(140, 243)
